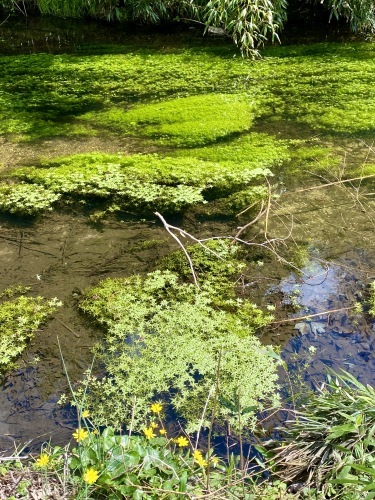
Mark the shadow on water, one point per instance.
(28, 35)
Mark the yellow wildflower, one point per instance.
(214, 461)
(156, 408)
(80, 434)
(154, 425)
(181, 441)
(199, 458)
(149, 433)
(90, 476)
(43, 460)
(85, 414)
(163, 431)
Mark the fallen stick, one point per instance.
(312, 315)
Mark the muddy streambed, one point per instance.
(58, 257)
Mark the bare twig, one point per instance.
(268, 208)
(323, 313)
(361, 178)
(5, 20)
(262, 211)
(68, 328)
(169, 228)
(203, 415)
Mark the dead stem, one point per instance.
(307, 316)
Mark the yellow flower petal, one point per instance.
(43, 460)
(149, 433)
(181, 441)
(90, 476)
(156, 408)
(198, 458)
(80, 434)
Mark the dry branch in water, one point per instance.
(268, 244)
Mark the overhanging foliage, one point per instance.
(248, 22)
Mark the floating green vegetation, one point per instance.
(26, 199)
(19, 319)
(56, 90)
(252, 149)
(311, 156)
(189, 121)
(325, 87)
(137, 182)
(218, 263)
(167, 339)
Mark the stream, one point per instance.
(62, 254)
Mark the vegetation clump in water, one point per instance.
(167, 339)
(190, 121)
(320, 86)
(26, 199)
(137, 182)
(20, 317)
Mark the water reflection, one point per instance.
(340, 340)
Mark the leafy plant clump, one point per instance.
(217, 266)
(153, 464)
(19, 319)
(137, 182)
(165, 339)
(331, 443)
(26, 199)
(297, 88)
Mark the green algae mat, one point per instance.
(216, 124)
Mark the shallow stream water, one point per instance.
(61, 254)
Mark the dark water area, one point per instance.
(27, 35)
(339, 265)
(21, 34)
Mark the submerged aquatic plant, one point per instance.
(137, 182)
(189, 121)
(165, 339)
(321, 86)
(19, 319)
